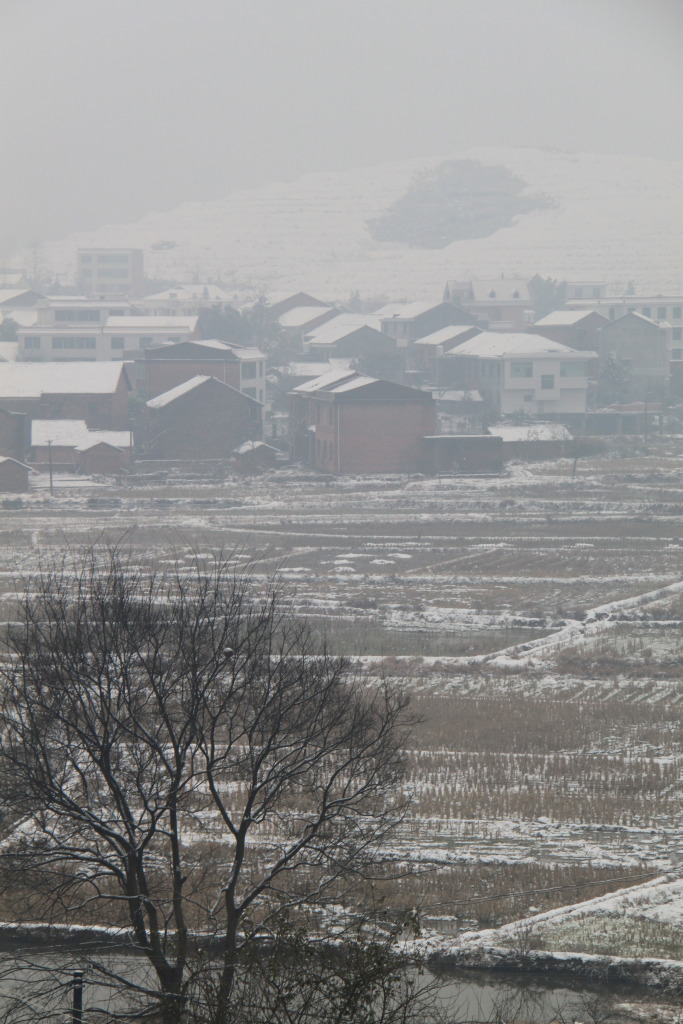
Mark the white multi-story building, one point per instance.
(70, 328)
(109, 272)
(524, 372)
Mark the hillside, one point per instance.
(401, 230)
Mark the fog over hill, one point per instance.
(401, 230)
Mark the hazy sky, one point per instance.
(112, 108)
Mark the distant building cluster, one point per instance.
(116, 373)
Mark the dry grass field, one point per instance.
(550, 747)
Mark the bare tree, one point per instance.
(185, 762)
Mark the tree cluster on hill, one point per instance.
(457, 199)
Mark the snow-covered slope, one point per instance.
(612, 219)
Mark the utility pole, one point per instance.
(49, 462)
(77, 1008)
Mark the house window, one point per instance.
(677, 353)
(32, 342)
(647, 310)
(612, 313)
(675, 333)
(596, 293)
(248, 370)
(548, 382)
(528, 396)
(520, 369)
(575, 368)
(117, 342)
(661, 312)
(77, 315)
(145, 341)
(676, 313)
(73, 343)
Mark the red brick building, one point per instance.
(102, 459)
(201, 418)
(167, 366)
(357, 424)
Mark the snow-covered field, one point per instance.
(609, 218)
(537, 619)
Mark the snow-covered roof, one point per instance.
(565, 318)
(189, 385)
(8, 458)
(24, 316)
(250, 446)
(496, 345)
(532, 432)
(404, 310)
(350, 321)
(302, 315)
(445, 334)
(74, 434)
(334, 331)
(641, 316)
(325, 381)
(210, 343)
(248, 353)
(360, 380)
(189, 293)
(180, 389)
(8, 294)
(149, 324)
(31, 380)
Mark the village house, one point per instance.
(358, 424)
(642, 346)
(664, 308)
(343, 340)
(166, 366)
(95, 392)
(203, 418)
(13, 476)
(405, 322)
(503, 304)
(255, 457)
(430, 349)
(577, 328)
(62, 441)
(523, 373)
(282, 302)
(301, 320)
(102, 459)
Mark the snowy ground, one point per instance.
(536, 617)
